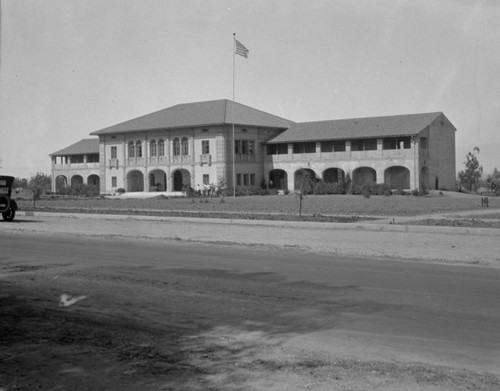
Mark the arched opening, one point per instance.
(397, 177)
(177, 147)
(61, 183)
(184, 146)
(278, 179)
(93, 180)
(157, 180)
(138, 149)
(131, 149)
(304, 180)
(364, 176)
(76, 181)
(135, 181)
(161, 148)
(153, 151)
(333, 175)
(180, 179)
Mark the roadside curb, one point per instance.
(358, 226)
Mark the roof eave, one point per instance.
(74, 153)
(103, 132)
(342, 138)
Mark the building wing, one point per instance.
(357, 128)
(83, 147)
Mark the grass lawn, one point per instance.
(336, 205)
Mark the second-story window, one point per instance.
(309, 147)
(339, 146)
(152, 148)
(251, 147)
(177, 147)
(184, 146)
(131, 149)
(327, 146)
(205, 147)
(113, 152)
(333, 146)
(77, 159)
(244, 147)
(138, 149)
(396, 143)
(93, 158)
(161, 148)
(364, 145)
(277, 149)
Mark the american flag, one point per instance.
(241, 49)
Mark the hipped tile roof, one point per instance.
(209, 113)
(83, 147)
(356, 128)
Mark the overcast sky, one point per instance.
(70, 67)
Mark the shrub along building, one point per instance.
(192, 144)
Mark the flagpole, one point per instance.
(232, 116)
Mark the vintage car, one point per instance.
(8, 206)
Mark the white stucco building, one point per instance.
(192, 144)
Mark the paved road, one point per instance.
(469, 246)
(338, 306)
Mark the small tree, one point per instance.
(221, 186)
(347, 183)
(493, 181)
(469, 178)
(39, 184)
(20, 182)
(305, 185)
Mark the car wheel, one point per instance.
(9, 215)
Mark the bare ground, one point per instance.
(143, 329)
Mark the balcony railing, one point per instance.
(402, 153)
(182, 159)
(135, 161)
(206, 159)
(366, 154)
(113, 163)
(75, 166)
(242, 158)
(344, 155)
(158, 160)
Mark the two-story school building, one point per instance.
(215, 141)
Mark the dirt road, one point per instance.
(174, 314)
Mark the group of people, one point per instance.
(207, 190)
